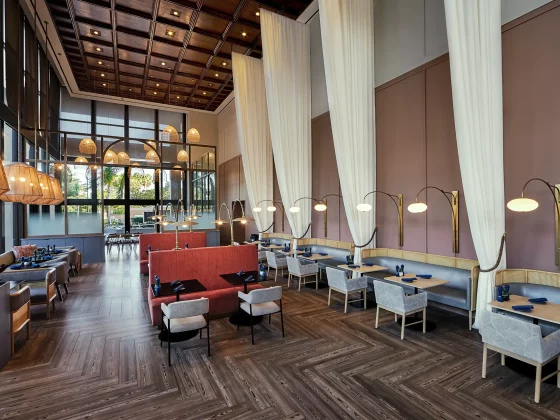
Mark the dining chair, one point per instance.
(20, 313)
(185, 315)
(276, 262)
(260, 302)
(338, 282)
(392, 298)
(520, 340)
(296, 268)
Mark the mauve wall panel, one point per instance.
(442, 165)
(531, 64)
(401, 160)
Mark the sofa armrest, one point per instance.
(32, 275)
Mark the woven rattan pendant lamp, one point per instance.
(24, 184)
(46, 185)
(57, 192)
(87, 147)
(4, 186)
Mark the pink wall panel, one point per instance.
(401, 160)
(531, 62)
(442, 165)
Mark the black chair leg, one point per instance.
(200, 333)
(66, 288)
(58, 292)
(161, 333)
(208, 335)
(238, 312)
(251, 318)
(269, 318)
(282, 317)
(168, 343)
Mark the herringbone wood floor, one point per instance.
(99, 357)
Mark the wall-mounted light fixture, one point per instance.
(420, 207)
(524, 204)
(320, 206)
(243, 219)
(397, 199)
(271, 208)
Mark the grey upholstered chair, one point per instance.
(260, 302)
(185, 315)
(277, 262)
(340, 283)
(261, 256)
(391, 297)
(296, 268)
(521, 340)
(20, 313)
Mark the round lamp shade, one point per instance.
(147, 147)
(87, 147)
(123, 159)
(152, 157)
(363, 207)
(57, 191)
(219, 222)
(170, 134)
(320, 207)
(417, 207)
(522, 204)
(80, 159)
(47, 189)
(193, 136)
(257, 209)
(24, 184)
(110, 157)
(4, 186)
(294, 209)
(271, 208)
(182, 156)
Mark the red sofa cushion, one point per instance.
(205, 265)
(166, 241)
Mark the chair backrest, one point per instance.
(19, 298)
(265, 295)
(509, 333)
(390, 296)
(293, 265)
(271, 258)
(261, 255)
(186, 308)
(337, 278)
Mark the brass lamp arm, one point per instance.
(391, 196)
(330, 195)
(283, 213)
(445, 194)
(550, 187)
(240, 204)
(179, 203)
(308, 198)
(228, 212)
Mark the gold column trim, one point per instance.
(455, 221)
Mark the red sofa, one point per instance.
(205, 265)
(166, 241)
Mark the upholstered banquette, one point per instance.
(205, 265)
(167, 241)
(461, 274)
(531, 284)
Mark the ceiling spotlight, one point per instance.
(104, 84)
(163, 63)
(98, 49)
(94, 32)
(130, 89)
(204, 93)
(216, 75)
(224, 63)
(175, 13)
(243, 33)
(100, 62)
(102, 74)
(257, 13)
(169, 32)
(155, 93)
(210, 84)
(178, 97)
(157, 84)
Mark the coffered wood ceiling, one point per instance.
(176, 52)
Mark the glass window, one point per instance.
(172, 185)
(73, 108)
(113, 183)
(204, 198)
(84, 219)
(142, 184)
(174, 119)
(113, 219)
(142, 117)
(140, 221)
(83, 182)
(109, 113)
(203, 158)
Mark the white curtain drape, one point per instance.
(286, 58)
(254, 134)
(348, 51)
(475, 52)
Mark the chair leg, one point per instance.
(29, 332)
(329, 301)
(424, 321)
(402, 326)
(289, 278)
(557, 373)
(316, 281)
(169, 342)
(269, 318)
(503, 359)
(470, 320)
(65, 288)
(58, 292)
(282, 318)
(161, 333)
(200, 333)
(484, 359)
(299, 286)
(377, 317)
(345, 302)
(275, 274)
(208, 335)
(238, 311)
(396, 318)
(365, 298)
(538, 383)
(252, 333)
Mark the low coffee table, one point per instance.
(242, 318)
(191, 286)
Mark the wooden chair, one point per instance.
(20, 313)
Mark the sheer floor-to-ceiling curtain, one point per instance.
(254, 133)
(475, 52)
(348, 51)
(286, 58)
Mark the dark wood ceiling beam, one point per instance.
(92, 22)
(150, 42)
(115, 51)
(72, 13)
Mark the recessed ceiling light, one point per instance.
(157, 84)
(175, 13)
(100, 62)
(130, 89)
(104, 84)
(163, 63)
(155, 93)
(192, 80)
(209, 84)
(224, 63)
(178, 97)
(95, 32)
(244, 33)
(216, 75)
(98, 49)
(257, 13)
(204, 93)
(169, 32)
(102, 74)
